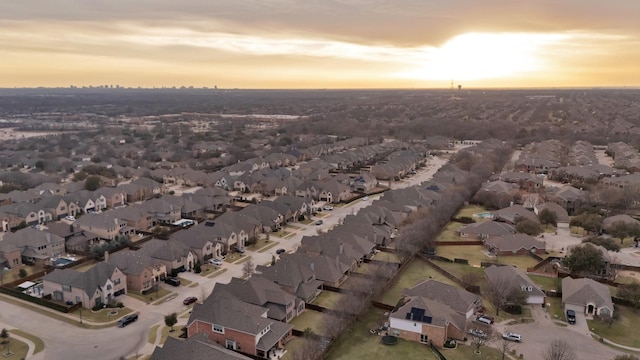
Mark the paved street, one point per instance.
(68, 342)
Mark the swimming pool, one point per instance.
(483, 215)
(62, 261)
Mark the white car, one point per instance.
(70, 218)
(327, 207)
(216, 262)
(512, 336)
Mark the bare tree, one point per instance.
(470, 279)
(504, 346)
(248, 268)
(559, 350)
(308, 349)
(479, 335)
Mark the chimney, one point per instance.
(106, 256)
(341, 248)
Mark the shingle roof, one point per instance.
(584, 291)
(89, 281)
(197, 347)
(458, 299)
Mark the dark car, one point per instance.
(190, 300)
(319, 222)
(127, 320)
(280, 251)
(571, 316)
(172, 281)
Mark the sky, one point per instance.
(320, 43)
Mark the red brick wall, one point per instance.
(244, 342)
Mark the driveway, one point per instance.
(537, 336)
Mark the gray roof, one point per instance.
(515, 242)
(458, 299)
(513, 277)
(294, 274)
(89, 281)
(584, 291)
(436, 313)
(222, 308)
(261, 291)
(32, 238)
(492, 228)
(624, 218)
(197, 347)
(131, 262)
(515, 212)
(165, 250)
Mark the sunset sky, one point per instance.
(320, 43)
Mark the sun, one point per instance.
(477, 56)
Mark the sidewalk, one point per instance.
(32, 347)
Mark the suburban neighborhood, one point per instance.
(195, 236)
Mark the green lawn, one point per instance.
(328, 299)
(165, 332)
(469, 210)
(271, 245)
(546, 283)
(39, 344)
(184, 282)
(150, 296)
(153, 334)
(415, 272)
(260, 244)
(85, 266)
(309, 319)
(622, 328)
(216, 273)
(18, 349)
(450, 232)
(473, 253)
(234, 257)
(464, 352)
(358, 344)
(102, 316)
(522, 262)
(386, 256)
(554, 307)
(459, 270)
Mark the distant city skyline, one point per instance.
(328, 44)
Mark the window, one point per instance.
(424, 338)
(231, 344)
(218, 329)
(108, 286)
(116, 281)
(66, 288)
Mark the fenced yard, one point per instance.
(416, 271)
(328, 299)
(473, 253)
(309, 319)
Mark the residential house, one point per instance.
(23, 213)
(94, 287)
(562, 217)
(86, 201)
(10, 256)
(332, 271)
(197, 347)
(605, 271)
(55, 205)
(75, 238)
(150, 187)
(514, 244)
(364, 182)
(200, 241)
(426, 321)
(570, 198)
(258, 290)
(238, 325)
(105, 225)
(525, 180)
(510, 279)
(173, 254)
(162, 211)
(294, 277)
(36, 247)
(269, 218)
(486, 229)
(136, 217)
(458, 299)
(587, 296)
(114, 197)
(233, 229)
(333, 192)
(513, 214)
(142, 271)
(611, 221)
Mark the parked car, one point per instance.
(571, 316)
(319, 222)
(366, 198)
(172, 281)
(240, 249)
(280, 251)
(70, 218)
(512, 336)
(190, 300)
(478, 333)
(216, 262)
(127, 320)
(485, 319)
(327, 207)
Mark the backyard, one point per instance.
(328, 299)
(473, 253)
(309, 319)
(358, 343)
(416, 271)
